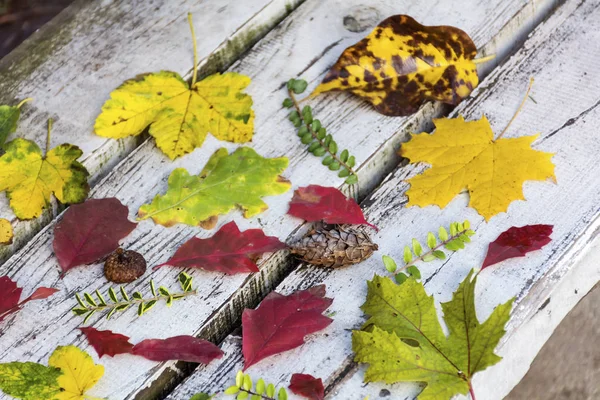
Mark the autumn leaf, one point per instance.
(29, 178)
(402, 63)
(90, 231)
(516, 242)
(229, 250)
(107, 342)
(329, 204)
(464, 155)
(9, 116)
(29, 381)
(307, 386)
(6, 231)
(79, 373)
(11, 293)
(183, 348)
(280, 323)
(180, 115)
(402, 316)
(227, 181)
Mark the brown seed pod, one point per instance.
(124, 266)
(335, 247)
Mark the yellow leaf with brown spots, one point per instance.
(6, 231)
(403, 63)
(464, 155)
(79, 373)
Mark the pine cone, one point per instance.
(334, 247)
(124, 266)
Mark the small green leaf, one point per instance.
(316, 125)
(303, 130)
(414, 272)
(110, 314)
(270, 390)
(282, 395)
(431, 240)
(453, 229)
(287, 103)
(90, 300)
(306, 139)
(81, 303)
(293, 115)
(100, 298)
(260, 386)
(321, 133)
(429, 257)
(334, 166)
(464, 238)
(80, 311)
(333, 147)
(319, 152)
(417, 249)
(400, 278)
(459, 227)
(123, 293)
(389, 263)
(297, 122)
(164, 291)
(352, 179)
(123, 307)
(239, 379)
(113, 295)
(469, 232)
(327, 160)
(137, 296)
(247, 382)
(407, 255)
(140, 311)
(443, 234)
(351, 162)
(344, 156)
(85, 320)
(466, 224)
(149, 305)
(313, 146)
(440, 255)
(242, 396)
(344, 173)
(299, 86)
(328, 139)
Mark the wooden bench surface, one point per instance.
(560, 54)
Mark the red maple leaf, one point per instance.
(516, 242)
(90, 231)
(328, 204)
(229, 250)
(280, 323)
(307, 386)
(107, 342)
(11, 293)
(182, 348)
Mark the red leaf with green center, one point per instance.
(90, 231)
(328, 204)
(229, 250)
(516, 242)
(307, 386)
(281, 322)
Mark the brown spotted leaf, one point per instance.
(402, 63)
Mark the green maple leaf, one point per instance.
(227, 181)
(29, 381)
(405, 341)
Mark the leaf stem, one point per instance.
(483, 59)
(195, 73)
(137, 301)
(422, 256)
(314, 135)
(24, 101)
(471, 391)
(50, 123)
(518, 109)
(251, 393)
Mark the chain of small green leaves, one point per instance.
(243, 389)
(313, 134)
(88, 306)
(460, 233)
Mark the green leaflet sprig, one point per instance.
(243, 389)
(88, 306)
(460, 234)
(313, 134)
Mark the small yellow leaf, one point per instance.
(79, 373)
(464, 155)
(6, 231)
(403, 63)
(30, 178)
(179, 117)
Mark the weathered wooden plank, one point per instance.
(307, 43)
(546, 284)
(71, 65)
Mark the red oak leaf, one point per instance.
(183, 348)
(316, 203)
(307, 386)
(516, 242)
(90, 231)
(229, 250)
(11, 293)
(107, 342)
(281, 322)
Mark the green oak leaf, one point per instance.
(29, 381)
(404, 340)
(227, 181)
(9, 116)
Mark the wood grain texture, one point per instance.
(306, 43)
(72, 64)
(561, 55)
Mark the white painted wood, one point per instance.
(308, 43)
(562, 55)
(70, 67)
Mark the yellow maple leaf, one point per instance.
(79, 373)
(30, 178)
(402, 63)
(180, 115)
(6, 231)
(464, 155)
